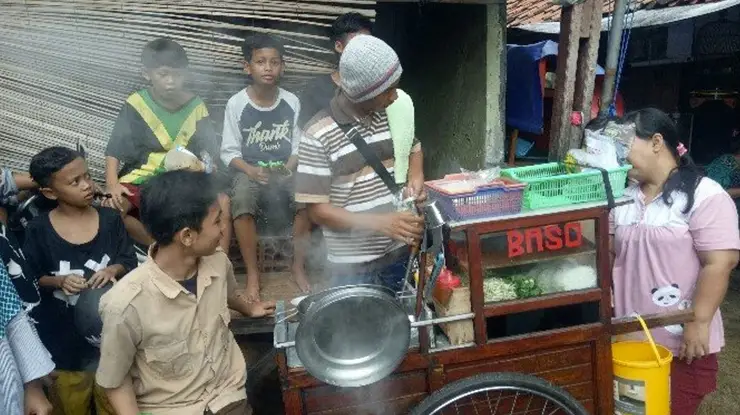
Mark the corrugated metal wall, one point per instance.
(67, 66)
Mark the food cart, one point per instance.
(562, 334)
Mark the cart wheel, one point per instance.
(500, 393)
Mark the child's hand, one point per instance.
(259, 309)
(102, 277)
(73, 284)
(415, 189)
(117, 192)
(35, 399)
(282, 172)
(258, 174)
(292, 163)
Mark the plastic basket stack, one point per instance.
(462, 201)
(463, 197)
(551, 185)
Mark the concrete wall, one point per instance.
(454, 69)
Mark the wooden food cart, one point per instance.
(563, 337)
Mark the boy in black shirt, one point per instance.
(73, 248)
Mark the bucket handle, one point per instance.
(649, 337)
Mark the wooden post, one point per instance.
(587, 54)
(570, 35)
(580, 29)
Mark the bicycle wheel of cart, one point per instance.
(499, 394)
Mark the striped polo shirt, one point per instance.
(331, 170)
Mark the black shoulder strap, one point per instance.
(610, 201)
(370, 157)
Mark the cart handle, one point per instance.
(441, 320)
(416, 324)
(629, 324)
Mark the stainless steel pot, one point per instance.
(306, 303)
(352, 336)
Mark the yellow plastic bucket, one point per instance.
(642, 376)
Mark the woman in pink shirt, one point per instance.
(674, 248)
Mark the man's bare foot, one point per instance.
(299, 277)
(253, 291)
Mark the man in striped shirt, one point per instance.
(366, 235)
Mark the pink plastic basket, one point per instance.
(502, 196)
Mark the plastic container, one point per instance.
(502, 196)
(447, 280)
(642, 376)
(550, 185)
(445, 286)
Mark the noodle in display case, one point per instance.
(546, 260)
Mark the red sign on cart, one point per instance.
(543, 239)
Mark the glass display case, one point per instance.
(525, 263)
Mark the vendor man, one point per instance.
(367, 237)
(317, 95)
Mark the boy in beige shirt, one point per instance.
(166, 345)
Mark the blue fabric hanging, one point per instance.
(524, 100)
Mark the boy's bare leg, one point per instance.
(301, 231)
(245, 230)
(225, 204)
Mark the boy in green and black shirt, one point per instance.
(154, 120)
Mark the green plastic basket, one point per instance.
(550, 185)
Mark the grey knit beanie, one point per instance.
(367, 68)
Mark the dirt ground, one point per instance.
(726, 399)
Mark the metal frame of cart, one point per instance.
(576, 358)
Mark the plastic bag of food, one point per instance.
(600, 151)
(481, 177)
(180, 158)
(466, 181)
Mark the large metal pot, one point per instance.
(352, 336)
(306, 302)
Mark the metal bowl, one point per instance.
(353, 336)
(305, 302)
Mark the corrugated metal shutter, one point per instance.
(67, 66)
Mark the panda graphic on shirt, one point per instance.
(670, 296)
